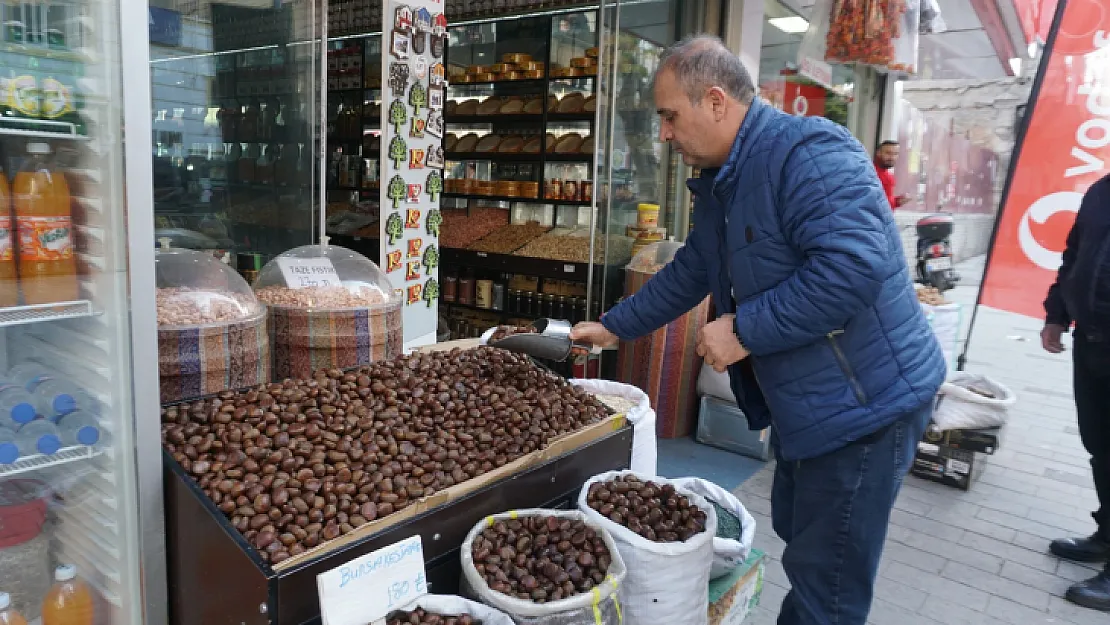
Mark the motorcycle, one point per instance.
(934, 252)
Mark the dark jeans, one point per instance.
(1092, 405)
(833, 511)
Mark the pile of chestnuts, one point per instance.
(654, 511)
(541, 558)
(420, 616)
(299, 463)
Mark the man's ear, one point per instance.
(718, 102)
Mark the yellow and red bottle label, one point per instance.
(45, 238)
(7, 250)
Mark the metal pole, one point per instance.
(1030, 107)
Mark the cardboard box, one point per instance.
(733, 597)
(986, 440)
(959, 468)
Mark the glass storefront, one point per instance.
(780, 81)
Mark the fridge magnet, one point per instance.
(416, 131)
(394, 228)
(396, 190)
(398, 115)
(420, 66)
(414, 292)
(412, 195)
(412, 219)
(415, 245)
(412, 270)
(431, 258)
(432, 222)
(434, 125)
(393, 261)
(439, 24)
(422, 20)
(418, 41)
(439, 43)
(398, 150)
(417, 158)
(399, 79)
(435, 97)
(402, 19)
(399, 44)
(433, 186)
(431, 291)
(439, 75)
(418, 97)
(434, 157)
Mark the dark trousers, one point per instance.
(832, 511)
(1092, 404)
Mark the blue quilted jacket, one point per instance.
(794, 235)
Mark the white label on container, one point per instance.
(303, 273)
(370, 587)
(568, 268)
(958, 466)
(928, 448)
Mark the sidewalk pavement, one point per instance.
(980, 557)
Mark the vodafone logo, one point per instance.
(801, 105)
(1041, 211)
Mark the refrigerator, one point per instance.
(81, 531)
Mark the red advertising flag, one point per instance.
(1066, 147)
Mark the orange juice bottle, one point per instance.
(47, 267)
(8, 615)
(69, 602)
(9, 283)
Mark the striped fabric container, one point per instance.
(665, 364)
(203, 360)
(307, 340)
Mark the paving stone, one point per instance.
(1007, 551)
(1018, 523)
(956, 552)
(952, 592)
(1077, 572)
(886, 613)
(1035, 578)
(924, 560)
(1029, 596)
(1017, 614)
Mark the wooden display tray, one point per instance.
(217, 578)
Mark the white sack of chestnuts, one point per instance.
(448, 610)
(735, 526)
(569, 568)
(664, 534)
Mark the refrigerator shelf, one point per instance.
(19, 315)
(38, 462)
(39, 129)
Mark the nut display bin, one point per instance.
(329, 307)
(211, 329)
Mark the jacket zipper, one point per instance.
(846, 367)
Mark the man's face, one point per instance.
(888, 156)
(690, 128)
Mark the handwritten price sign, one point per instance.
(367, 589)
(304, 273)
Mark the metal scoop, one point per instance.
(551, 341)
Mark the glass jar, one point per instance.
(549, 306)
(582, 316)
(450, 288)
(527, 304)
(560, 309)
(466, 290)
(483, 297)
(498, 296)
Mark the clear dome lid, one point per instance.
(324, 277)
(653, 257)
(195, 289)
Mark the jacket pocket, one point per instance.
(846, 367)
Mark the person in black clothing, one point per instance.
(1081, 295)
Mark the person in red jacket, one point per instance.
(886, 157)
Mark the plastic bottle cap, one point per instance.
(5, 601)
(65, 573)
(38, 148)
(23, 413)
(88, 435)
(64, 404)
(49, 444)
(9, 453)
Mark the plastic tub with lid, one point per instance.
(211, 329)
(329, 307)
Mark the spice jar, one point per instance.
(513, 305)
(483, 297)
(554, 189)
(498, 296)
(570, 190)
(526, 303)
(549, 306)
(581, 307)
(450, 288)
(466, 290)
(587, 191)
(560, 309)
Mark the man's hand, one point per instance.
(901, 200)
(593, 333)
(717, 343)
(1050, 338)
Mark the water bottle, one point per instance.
(79, 428)
(9, 450)
(38, 437)
(17, 406)
(53, 396)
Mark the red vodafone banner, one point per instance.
(1066, 147)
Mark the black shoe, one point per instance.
(1093, 593)
(1090, 549)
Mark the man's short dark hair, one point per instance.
(886, 143)
(700, 62)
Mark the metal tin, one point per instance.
(483, 297)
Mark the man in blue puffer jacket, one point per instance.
(819, 326)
